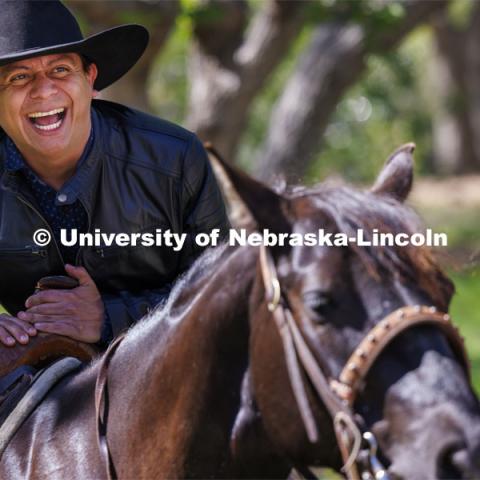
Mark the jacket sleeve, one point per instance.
(202, 209)
(125, 308)
(202, 204)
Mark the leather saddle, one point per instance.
(20, 365)
(45, 347)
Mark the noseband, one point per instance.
(339, 395)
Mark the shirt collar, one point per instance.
(69, 192)
(14, 160)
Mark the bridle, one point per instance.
(339, 395)
(358, 449)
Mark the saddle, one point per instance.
(45, 347)
(42, 350)
(20, 363)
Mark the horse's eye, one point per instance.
(319, 302)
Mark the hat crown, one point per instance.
(27, 25)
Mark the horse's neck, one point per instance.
(188, 376)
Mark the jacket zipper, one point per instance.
(28, 204)
(77, 256)
(28, 250)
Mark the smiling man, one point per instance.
(70, 162)
(46, 111)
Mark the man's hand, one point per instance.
(77, 313)
(14, 330)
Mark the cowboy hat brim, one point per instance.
(115, 51)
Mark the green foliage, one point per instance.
(460, 11)
(386, 109)
(382, 112)
(373, 16)
(461, 226)
(465, 311)
(261, 108)
(201, 13)
(168, 83)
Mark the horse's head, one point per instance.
(416, 397)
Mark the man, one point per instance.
(69, 162)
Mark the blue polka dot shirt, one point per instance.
(59, 210)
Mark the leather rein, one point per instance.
(337, 395)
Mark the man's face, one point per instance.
(45, 105)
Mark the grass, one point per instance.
(465, 311)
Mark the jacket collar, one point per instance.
(82, 185)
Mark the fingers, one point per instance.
(14, 330)
(34, 318)
(47, 296)
(6, 338)
(85, 332)
(62, 308)
(58, 327)
(79, 273)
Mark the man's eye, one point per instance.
(60, 69)
(18, 78)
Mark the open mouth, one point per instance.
(47, 121)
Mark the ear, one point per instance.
(396, 177)
(252, 205)
(92, 75)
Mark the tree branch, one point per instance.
(334, 61)
(225, 79)
(157, 15)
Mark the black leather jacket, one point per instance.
(142, 174)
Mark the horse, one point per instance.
(207, 386)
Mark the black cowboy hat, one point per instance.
(29, 28)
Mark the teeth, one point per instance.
(52, 126)
(44, 114)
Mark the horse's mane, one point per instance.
(193, 279)
(352, 209)
(184, 290)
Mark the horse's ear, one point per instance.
(251, 204)
(396, 177)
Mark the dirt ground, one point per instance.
(452, 192)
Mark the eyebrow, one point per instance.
(62, 58)
(7, 69)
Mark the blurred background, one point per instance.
(310, 89)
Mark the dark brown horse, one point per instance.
(200, 388)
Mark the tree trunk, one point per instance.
(228, 67)
(456, 132)
(159, 18)
(333, 62)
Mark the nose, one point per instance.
(459, 461)
(42, 87)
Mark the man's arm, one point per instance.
(82, 313)
(202, 203)
(202, 211)
(125, 308)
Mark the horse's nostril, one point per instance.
(454, 463)
(460, 459)
(393, 475)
